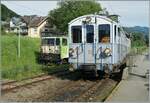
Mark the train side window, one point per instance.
(115, 31)
(51, 42)
(104, 33)
(119, 31)
(57, 41)
(76, 34)
(89, 33)
(64, 42)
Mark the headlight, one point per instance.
(107, 52)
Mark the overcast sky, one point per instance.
(133, 13)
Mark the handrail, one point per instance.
(76, 50)
(98, 51)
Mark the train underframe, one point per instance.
(52, 58)
(102, 70)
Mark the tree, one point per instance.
(71, 9)
(138, 39)
(147, 40)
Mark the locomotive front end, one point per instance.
(50, 49)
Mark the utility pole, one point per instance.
(149, 33)
(18, 25)
(149, 43)
(19, 42)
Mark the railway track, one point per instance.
(96, 92)
(8, 86)
(69, 91)
(82, 91)
(13, 81)
(102, 91)
(86, 94)
(60, 91)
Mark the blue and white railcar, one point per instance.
(97, 42)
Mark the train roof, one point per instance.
(92, 15)
(106, 18)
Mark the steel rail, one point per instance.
(6, 87)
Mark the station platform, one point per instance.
(135, 88)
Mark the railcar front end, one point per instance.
(95, 44)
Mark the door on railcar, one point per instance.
(89, 44)
(104, 45)
(64, 48)
(76, 46)
(83, 43)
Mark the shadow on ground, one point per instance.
(53, 68)
(77, 74)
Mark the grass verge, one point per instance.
(15, 68)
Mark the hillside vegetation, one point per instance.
(139, 35)
(138, 29)
(6, 13)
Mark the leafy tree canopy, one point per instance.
(71, 9)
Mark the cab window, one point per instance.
(76, 34)
(89, 33)
(104, 33)
(44, 41)
(51, 42)
(57, 41)
(64, 42)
